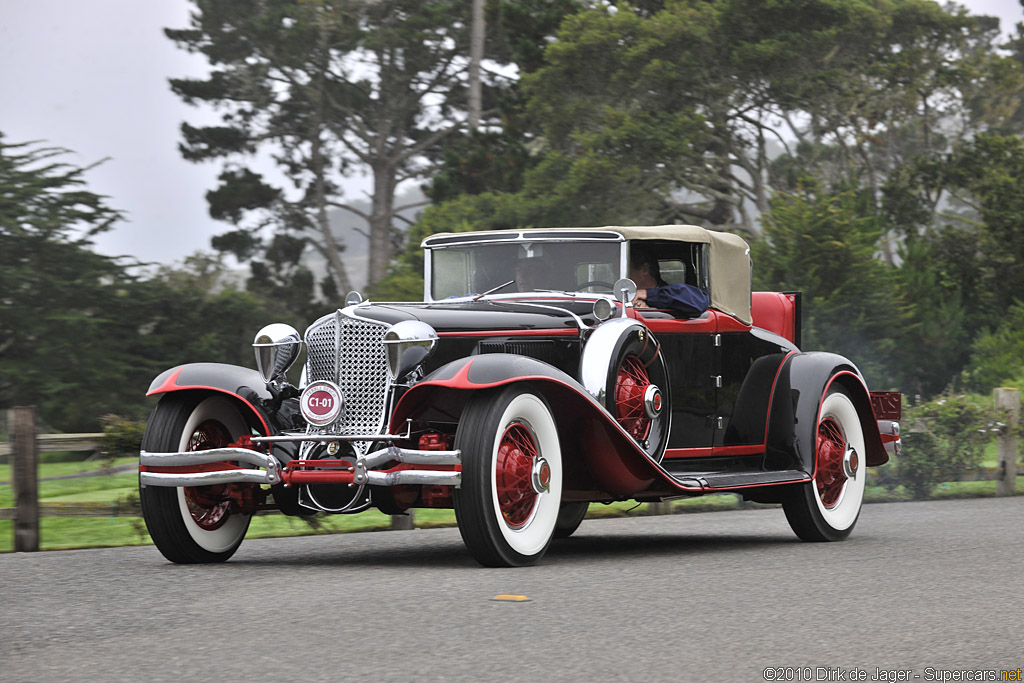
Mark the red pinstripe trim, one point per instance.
(170, 384)
(771, 394)
(744, 449)
(672, 453)
(707, 451)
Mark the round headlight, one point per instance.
(408, 344)
(603, 309)
(276, 346)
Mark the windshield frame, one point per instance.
(540, 237)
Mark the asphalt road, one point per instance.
(927, 587)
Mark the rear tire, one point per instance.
(192, 525)
(827, 507)
(508, 502)
(570, 516)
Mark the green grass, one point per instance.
(52, 491)
(61, 533)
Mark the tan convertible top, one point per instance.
(729, 256)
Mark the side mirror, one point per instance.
(277, 346)
(625, 292)
(353, 298)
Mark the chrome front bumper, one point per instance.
(269, 471)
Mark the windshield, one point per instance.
(531, 266)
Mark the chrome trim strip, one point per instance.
(328, 438)
(523, 235)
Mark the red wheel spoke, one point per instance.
(210, 506)
(514, 474)
(630, 386)
(831, 446)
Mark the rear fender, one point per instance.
(793, 416)
(599, 454)
(244, 385)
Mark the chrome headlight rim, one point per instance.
(408, 344)
(277, 347)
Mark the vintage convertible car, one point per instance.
(520, 408)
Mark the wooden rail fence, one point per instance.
(25, 446)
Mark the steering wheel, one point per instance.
(595, 283)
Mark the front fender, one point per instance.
(590, 435)
(243, 384)
(793, 416)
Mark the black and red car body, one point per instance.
(520, 408)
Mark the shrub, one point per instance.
(941, 440)
(121, 437)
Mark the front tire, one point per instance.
(508, 503)
(196, 524)
(827, 507)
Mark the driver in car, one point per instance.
(532, 274)
(653, 292)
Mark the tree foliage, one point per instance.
(60, 304)
(330, 89)
(81, 334)
(823, 244)
(686, 109)
(845, 138)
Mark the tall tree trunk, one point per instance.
(476, 55)
(335, 264)
(331, 251)
(380, 220)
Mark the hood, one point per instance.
(486, 315)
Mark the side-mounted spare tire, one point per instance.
(623, 367)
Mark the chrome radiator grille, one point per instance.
(350, 352)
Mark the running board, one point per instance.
(719, 481)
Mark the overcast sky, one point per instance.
(91, 76)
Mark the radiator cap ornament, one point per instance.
(321, 403)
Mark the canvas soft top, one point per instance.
(729, 254)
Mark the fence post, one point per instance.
(1008, 403)
(25, 460)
